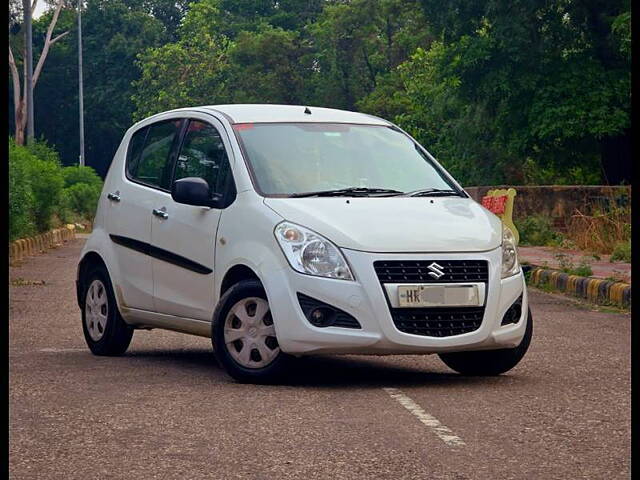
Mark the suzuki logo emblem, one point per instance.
(436, 270)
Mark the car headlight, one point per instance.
(310, 253)
(510, 265)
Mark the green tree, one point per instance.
(250, 15)
(113, 34)
(230, 52)
(269, 66)
(358, 45)
(521, 90)
(191, 71)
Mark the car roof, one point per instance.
(249, 113)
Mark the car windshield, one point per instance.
(298, 158)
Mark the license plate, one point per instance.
(438, 295)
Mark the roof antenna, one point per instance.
(307, 111)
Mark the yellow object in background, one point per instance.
(500, 202)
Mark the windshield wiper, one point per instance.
(433, 192)
(345, 192)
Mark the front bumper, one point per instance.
(365, 300)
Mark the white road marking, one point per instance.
(442, 431)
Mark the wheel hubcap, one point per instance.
(249, 333)
(96, 310)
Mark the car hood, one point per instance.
(396, 224)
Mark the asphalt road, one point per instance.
(166, 410)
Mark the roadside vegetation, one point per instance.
(606, 232)
(518, 92)
(43, 194)
(622, 252)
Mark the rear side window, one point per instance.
(151, 165)
(203, 155)
(135, 148)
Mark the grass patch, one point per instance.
(583, 269)
(537, 230)
(622, 252)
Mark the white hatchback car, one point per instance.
(280, 231)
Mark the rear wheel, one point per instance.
(105, 331)
(490, 362)
(244, 337)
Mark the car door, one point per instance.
(183, 236)
(147, 173)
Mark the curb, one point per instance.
(27, 247)
(595, 290)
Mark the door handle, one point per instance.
(161, 213)
(114, 196)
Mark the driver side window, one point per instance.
(203, 155)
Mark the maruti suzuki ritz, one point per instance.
(280, 231)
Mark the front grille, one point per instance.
(437, 322)
(417, 271)
(434, 321)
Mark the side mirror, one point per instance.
(193, 191)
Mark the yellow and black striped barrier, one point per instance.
(595, 290)
(26, 247)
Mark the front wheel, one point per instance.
(489, 362)
(244, 337)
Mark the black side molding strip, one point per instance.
(160, 254)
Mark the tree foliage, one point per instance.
(516, 99)
(525, 91)
(113, 34)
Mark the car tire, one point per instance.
(105, 332)
(243, 336)
(490, 362)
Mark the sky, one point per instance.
(40, 8)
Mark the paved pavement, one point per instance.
(550, 257)
(165, 410)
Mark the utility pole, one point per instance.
(26, 5)
(80, 93)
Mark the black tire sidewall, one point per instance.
(490, 362)
(117, 335)
(269, 374)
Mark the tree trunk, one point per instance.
(19, 137)
(18, 100)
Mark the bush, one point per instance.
(42, 193)
(42, 178)
(41, 150)
(537, 230)
(21, 202)
(82, 198)
(47, 183)
(77, 174)
(622, 252)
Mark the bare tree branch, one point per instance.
(15, 77)
(59, 37)
(47, 42)
(19, 95)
